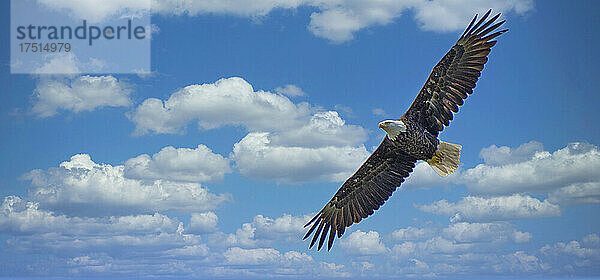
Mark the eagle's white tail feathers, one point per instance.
(445, 160)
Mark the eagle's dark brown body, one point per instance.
(448, 85)
(416, 141)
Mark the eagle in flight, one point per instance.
(412, 137)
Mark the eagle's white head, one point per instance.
(393, 128)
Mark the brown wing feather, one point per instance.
(364, 192)
(455, 76)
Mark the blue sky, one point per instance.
(256, 111)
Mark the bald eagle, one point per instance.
(412, 137)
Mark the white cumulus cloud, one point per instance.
(179, 164)
(501, 208)
(572, 248)
(411, 233)
(81, 186)
(485, 232)
(494, 155)
(83, 93)
(287, 226)
(256, 157)
(440, 244)
(363, 243)
(592, 241)
(264, 231)
(542, 172)
(521, 262)
(233, 101)
(203, 222)
(577, 193)
(337, 20)
(440, 15)
(19, 216)
(290, 90)
(320, 130)
(230, 101)
(189, 251)
(287, 142)
(98, 10)
(66, 63)
(35, 230)
(575, 257)
(260, 256)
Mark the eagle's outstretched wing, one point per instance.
(454, 77)
(363, 193)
